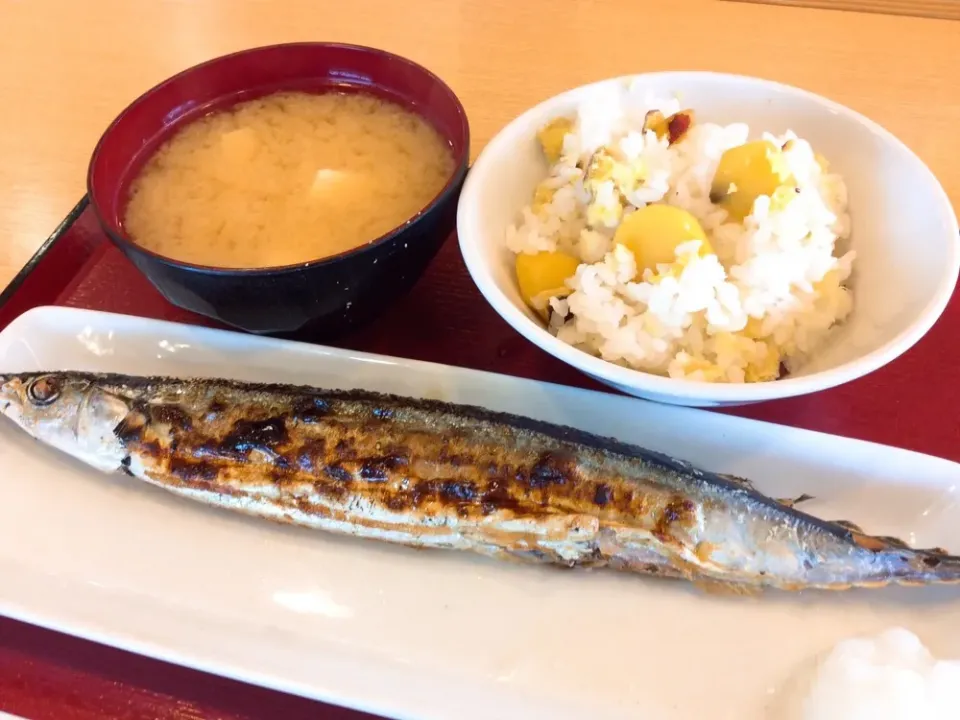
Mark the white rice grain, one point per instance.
(772, 292)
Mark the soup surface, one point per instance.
(285, 179)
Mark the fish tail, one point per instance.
(885, 560)
(930, 567)
(909, 568)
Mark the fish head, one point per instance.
(67, 411)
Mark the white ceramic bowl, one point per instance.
(904, 231)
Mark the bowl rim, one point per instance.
(681, 388)
(461, 163)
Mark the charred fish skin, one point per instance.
(431, 474)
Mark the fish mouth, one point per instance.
(9, 397)
(8, 378)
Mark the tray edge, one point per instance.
(10, 290)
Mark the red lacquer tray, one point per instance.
(913, 403)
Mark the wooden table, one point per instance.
(67, 68)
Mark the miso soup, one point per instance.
(285, 179)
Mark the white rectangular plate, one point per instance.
(433, 634)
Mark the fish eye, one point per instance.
(43, 390)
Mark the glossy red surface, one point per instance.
(46, 676)
(324, 296)
(912, 403)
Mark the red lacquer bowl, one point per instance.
(318, 298)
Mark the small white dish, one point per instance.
(904, 230)
(437, 635)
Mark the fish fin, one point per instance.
(723, 589)
(737, 480)
(883, 543)
(793, 502)
(897, 543)
(748, 485)
(929, 559)
(853, 527)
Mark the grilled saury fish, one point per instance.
(430, 474)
